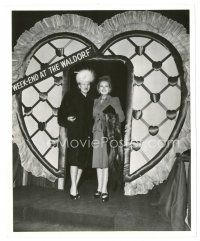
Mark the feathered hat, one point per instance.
(85, 76)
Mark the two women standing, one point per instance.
(81, 116)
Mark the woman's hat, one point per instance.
(85, 76)
(105, 78)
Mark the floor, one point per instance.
(40, 209)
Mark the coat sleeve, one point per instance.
(94, 109)
(64, 111)
(118, 109)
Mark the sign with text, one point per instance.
(52, 69)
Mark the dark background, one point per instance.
(24, 20)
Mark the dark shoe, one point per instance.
(97, 194)
(78, 195)
(104, 197)
(73, 197)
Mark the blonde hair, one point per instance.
(85, 75)
(105, 78)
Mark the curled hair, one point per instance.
(105, 78)
(85, 75)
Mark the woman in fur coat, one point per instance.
(108, 115)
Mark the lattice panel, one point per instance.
(156, 95)
(40, 102)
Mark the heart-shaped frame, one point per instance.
(95, 36)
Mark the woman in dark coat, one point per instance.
(100, 159)
(75, 114)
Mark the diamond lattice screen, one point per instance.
(41, 101)
(156, 95)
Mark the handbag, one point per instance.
(109, 110)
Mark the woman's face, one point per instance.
(84, 87)
(104, 88)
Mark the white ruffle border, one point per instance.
(120, 23)
(177, 35)
(160, 172)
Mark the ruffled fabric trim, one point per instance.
(152, 22)
(28, 161)
(56, 24)
(177, 35)
(160, 172)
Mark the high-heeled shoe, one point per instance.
(73, 197)
(104, 197)
(97, 194)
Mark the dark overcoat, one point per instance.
(78, 132)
